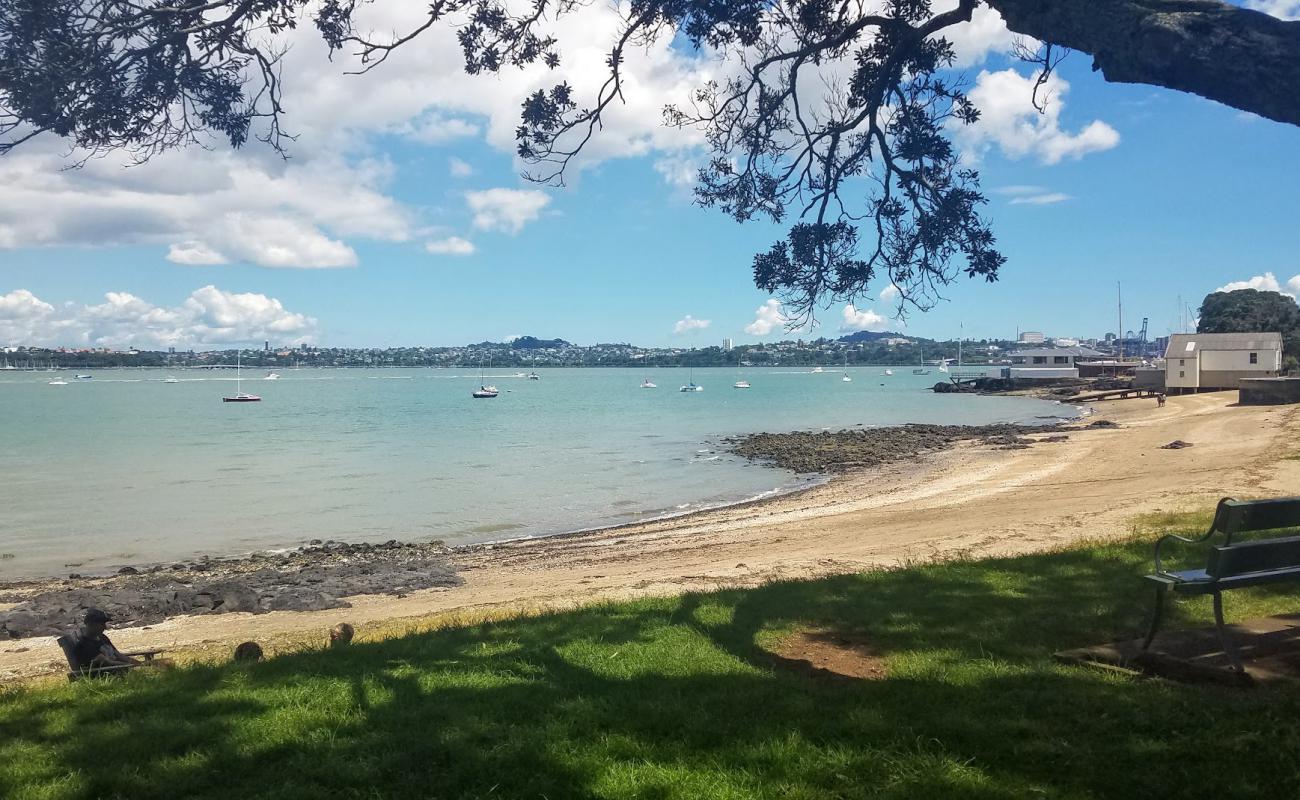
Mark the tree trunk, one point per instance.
(1242, 58)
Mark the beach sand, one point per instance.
(971, 500)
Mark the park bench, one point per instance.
(78, 670)
(1233, 565)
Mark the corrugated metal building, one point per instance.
(1202, 361)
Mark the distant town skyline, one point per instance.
(401, 218)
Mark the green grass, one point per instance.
(677, 698)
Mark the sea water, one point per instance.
(125, 468)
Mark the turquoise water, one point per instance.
(124, 468)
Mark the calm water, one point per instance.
(125, 468)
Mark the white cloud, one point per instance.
(459, 168)
(507, 210)
(768, 319)
(1282, 9)
(1267, 282)
(974, 41)
(437, 128)
(194, 253)
(688, 323)
(1040, 199)
(451, 246)
(208, 316)
(861, 320)
(889, 292)
(1009, 120)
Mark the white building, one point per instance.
(726, 345)
(1046, 363)
(1200, 361)
(1032, 337)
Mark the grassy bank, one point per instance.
(681, 697)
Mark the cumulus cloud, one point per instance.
(506, 210)
(194, 253)
(854, 319)
(459, 168)
(208, 316)
(768, 319)
(451, 246)
(1009, 120)
(888, 293)
(437, 128)
(688, 323)
(1282, 9)
(1267, 282)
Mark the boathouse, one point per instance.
(1197, 362)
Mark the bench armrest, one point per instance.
(1160, 569)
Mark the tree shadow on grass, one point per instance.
(675, 698)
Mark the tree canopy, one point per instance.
(863, 169)
(1252, 311)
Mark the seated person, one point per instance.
(89, 651)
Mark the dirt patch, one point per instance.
(826, 654)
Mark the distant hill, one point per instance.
(873, 336)
(533, 343)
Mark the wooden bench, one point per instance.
(1233, 565)
(76, 670)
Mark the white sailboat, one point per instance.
(846, 378)
(240, 395)
(484, 391)
(648, 384)
(691, 386)
(921, 370)
(889, 372)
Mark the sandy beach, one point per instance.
(974, 499)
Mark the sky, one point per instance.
(402, 220)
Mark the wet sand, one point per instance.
(975, 499)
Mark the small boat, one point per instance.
(484, 391)
(58, 382)
(818, 369)
(648, 384)
(846, 378)
(533, 376)
(741, 385)
(240, 395)
(170, 379)
(272, 376)
(889, 372)
(83, 377)
(921, 370)
(691, 386)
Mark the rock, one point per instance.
(1176, 444)
(1103, 423)
(128, 571)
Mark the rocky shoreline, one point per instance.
(840, 451)
(310, 578)
(317, 576)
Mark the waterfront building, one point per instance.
(1206, 361)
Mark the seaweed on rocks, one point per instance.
(827, 451)
(309, 578)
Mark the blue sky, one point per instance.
(1192, 197)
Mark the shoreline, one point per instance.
(969, 499)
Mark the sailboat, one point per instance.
(533, 376)
(648, 384)
(240, 396)
(889, 372)
(846, 378)
(483, 392)
(691, 385)
(921, 370)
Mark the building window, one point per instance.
(1040, 359)
(1182, 363)
(1182, 374)
(1061, 359)
(1254, 358)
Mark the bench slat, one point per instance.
(1259, 556)
(1241, 516)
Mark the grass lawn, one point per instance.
(679, 698)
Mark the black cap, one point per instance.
(94, 615)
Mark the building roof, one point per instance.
(1179, 342)
(1085, 352)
